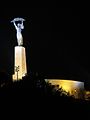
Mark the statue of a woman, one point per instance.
(19, 28)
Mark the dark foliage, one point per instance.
(34, 91)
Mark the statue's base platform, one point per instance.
(20, 68)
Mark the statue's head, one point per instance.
(20, 26)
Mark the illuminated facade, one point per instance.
(74, 88)
(20, 68)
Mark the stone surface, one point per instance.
(20, 68)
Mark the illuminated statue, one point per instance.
(19, 26)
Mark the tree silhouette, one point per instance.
(17, 68)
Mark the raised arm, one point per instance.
(22, 26)
(15, 25)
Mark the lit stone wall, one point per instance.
(75, 88)
(20, 68)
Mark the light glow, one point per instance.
(73, 87)
(20, 63)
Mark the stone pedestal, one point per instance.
(20, 68)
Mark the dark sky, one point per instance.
(56, 41)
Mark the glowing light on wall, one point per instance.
(75, 88)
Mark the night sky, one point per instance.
(56, 41)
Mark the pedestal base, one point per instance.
(20, 69)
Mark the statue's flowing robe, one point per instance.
(19, 37)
